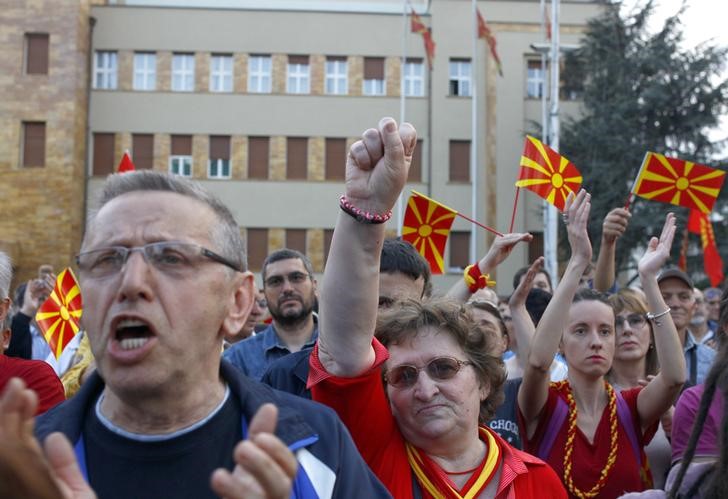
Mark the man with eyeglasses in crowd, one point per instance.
(163, 274)
(290, 290)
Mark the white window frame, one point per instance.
(337, 78)
(298, 80)
(178, 163)
(373, 86)
(105, 70)
(460, 71)
(259, 74)
(414, 79)
(221, 73)
(535, 79)
(145, 71)
(219, 165)
(183, 75)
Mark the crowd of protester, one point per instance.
(188, 380)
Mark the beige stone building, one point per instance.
(259, 101)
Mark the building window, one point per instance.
(180, 161)
(459, 242)
(259, 68)
(257, 245)
(414, 78)
(336, 76)
(143, 150)
(105, 70)
(36, 53)
(297, 158)
(145, 71)
(258, 157)
(299, 75)
(535, 79)
(183, 72)
(373, 76)
(460, 77)
(219, 162)
(103, 159)
(296, 239)
(459, 161)
(34, 138)
(415, 170)
(221, 73)
(335, 160)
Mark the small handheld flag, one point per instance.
(125, 165)
(678, 182)
(426, 226)
(547, 173)
(58, 317)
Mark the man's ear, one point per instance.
(4, 308)
(240, 303)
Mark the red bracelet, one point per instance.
(476, 280)
(362, 216)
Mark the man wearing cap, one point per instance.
(677, 291)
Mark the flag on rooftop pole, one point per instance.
(698, 223)
(417, 26)
(485, 32)
(125, 165)
(679, 182)
(547, 173)
(58, 317)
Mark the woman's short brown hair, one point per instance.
(405, 320)
(632, 301)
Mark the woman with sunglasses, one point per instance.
(635, 362)
(416, 400)
(592, 435)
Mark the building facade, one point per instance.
(259, 101)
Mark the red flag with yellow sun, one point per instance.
(547, 173)
(426, 226)
(678, 182)
(58, 317)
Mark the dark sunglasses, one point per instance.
(438, 369)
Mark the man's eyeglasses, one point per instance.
(169, 257)
(276, 281)
(634, 321)
(438, 369)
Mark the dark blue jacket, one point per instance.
(290, 374)
(329, 464)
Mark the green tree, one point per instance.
(641, 92)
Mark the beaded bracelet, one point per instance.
(653, 317)
(362, 216)
(475, 279)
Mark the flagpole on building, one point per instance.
(402, 107)
(474, 139)
(550, 216)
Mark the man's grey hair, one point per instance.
(6, 275)
(225, 235)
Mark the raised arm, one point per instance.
(376, 171)
(533, 392)
(660, 393)
(615, 224)
(523, 327)
(499, 251)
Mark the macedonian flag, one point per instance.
(426, 226)
(699, 223)
(678, 182)
(547, 173)
(59, 315)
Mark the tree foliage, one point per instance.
(641, 92)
